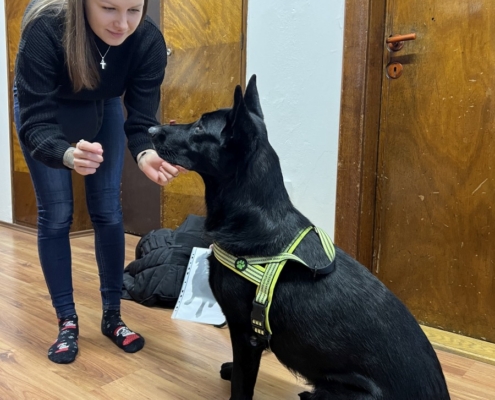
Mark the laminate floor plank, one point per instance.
(181, 360)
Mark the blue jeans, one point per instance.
(54, 198)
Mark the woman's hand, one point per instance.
(156, 169)
(87, 157)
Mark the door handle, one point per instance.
(396, 42)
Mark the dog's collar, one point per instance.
(264, 272)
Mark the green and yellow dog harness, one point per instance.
(264, 272)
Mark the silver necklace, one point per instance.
(102, 62)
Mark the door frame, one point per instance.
(362, 75)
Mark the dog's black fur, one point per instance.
(345, 332)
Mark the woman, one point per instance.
(76, 58)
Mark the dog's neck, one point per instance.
(252, 211)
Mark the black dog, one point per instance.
(344, 332)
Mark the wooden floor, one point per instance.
(181, 360)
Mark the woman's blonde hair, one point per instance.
(78, 39)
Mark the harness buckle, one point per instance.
(258, 318)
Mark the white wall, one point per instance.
(5, 166)
(295, 49)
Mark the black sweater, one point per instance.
(136, 67)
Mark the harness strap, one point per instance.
(252, 268)
(265, 277)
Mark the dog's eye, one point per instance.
(198, 129)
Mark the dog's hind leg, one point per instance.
(245, 365)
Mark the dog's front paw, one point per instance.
(305, 396)
(226, 371)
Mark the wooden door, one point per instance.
(206, 60)
(24, 201)
(434, 243)
(206, 45)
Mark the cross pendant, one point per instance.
(103, 63)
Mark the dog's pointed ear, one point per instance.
(238, 100)
(233, 111)
(240, 126)
(252, 98)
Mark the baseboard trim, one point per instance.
(33, 231)
(461, 345)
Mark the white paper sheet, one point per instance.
(196, 302)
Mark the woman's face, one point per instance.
(113, 21)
